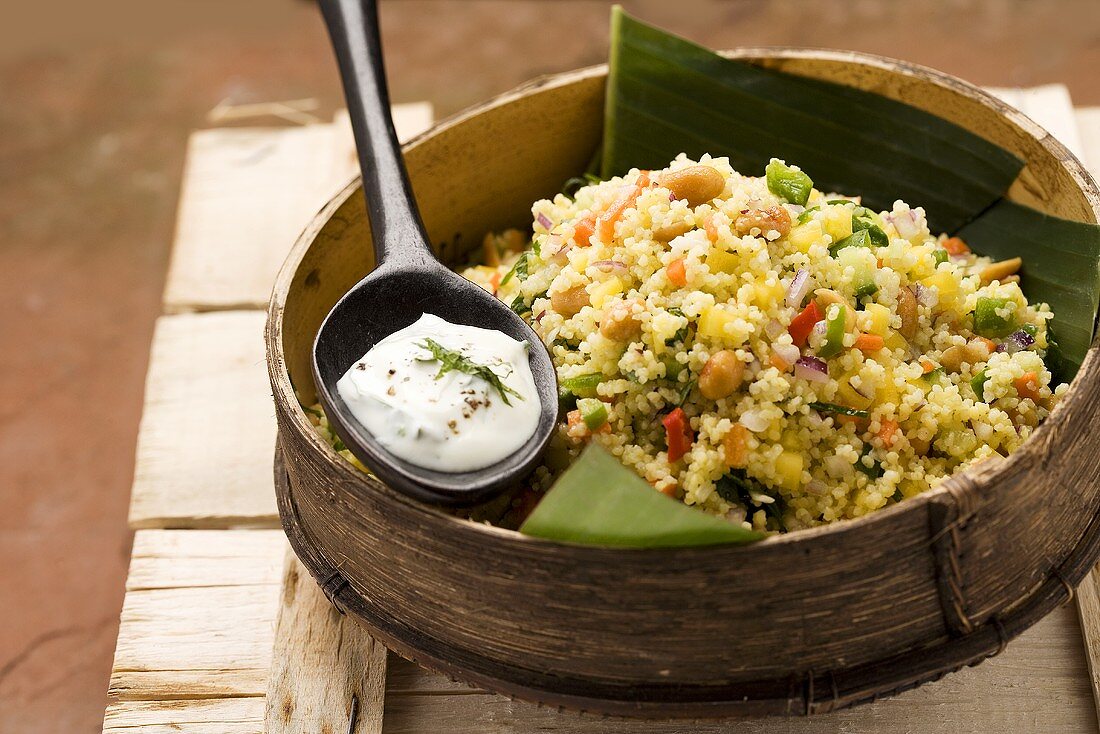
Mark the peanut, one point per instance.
(619, 323)
(907, 310)
(773, 218)
(569, 303)
(1000, 270)
(695, 184)
(721, 375)
(669, 232)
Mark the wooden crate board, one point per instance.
(207, 435)
(247, 193)
(184, 647)
(195, 646)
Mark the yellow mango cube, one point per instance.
(610, 287)
(720, 261)
(895, 340)
(805, 235)
(713, 322)
(838, 222)
(767, 295)
(788, 467)
(878, 318)
(945, 283)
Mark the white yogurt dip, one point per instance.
(426, 410)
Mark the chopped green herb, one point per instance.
(683, 332)
(786, 182)
(739, 487)
(519, 270)
(1030, 329)
(940, 255)
(978, 383)
(897, 496)
(673, 368)
(988, 323)
(338, 444)
(874, 471)
(874, 232)
(451, 360)
(838, 202)
(520, 306)
(685, 392)
(839, 409)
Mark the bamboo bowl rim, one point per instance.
(960, 484)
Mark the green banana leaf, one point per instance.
(666, 96)
(598, 501)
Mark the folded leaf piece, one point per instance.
(598, 501)
(667, 95)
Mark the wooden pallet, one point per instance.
(223, 631)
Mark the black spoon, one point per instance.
(407, 282)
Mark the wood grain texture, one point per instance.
(859, 612)
(325, 668)
(207, 434)
(199, 613)
(204, 716)
(247, 193)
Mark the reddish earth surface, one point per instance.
(96, 102)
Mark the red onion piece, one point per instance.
(925, 296)
(754, 420)
(1016, 342)
(811, 369)
(544, 221)
(799, 287)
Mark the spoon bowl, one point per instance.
(407, 283)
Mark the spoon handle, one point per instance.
(396, 227)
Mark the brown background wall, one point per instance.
(96, 101)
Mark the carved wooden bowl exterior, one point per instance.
(798, 624)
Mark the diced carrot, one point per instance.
(583, 231)
(1027, 386)
(803, 324)
(605, 224)
(869, 342)
(573, 418)
(735, 446)
(676, 273)
(710, 228)
(643, 179)
(927, 365)
(668, 490)
(955, 246)
(887, 431)
(495, 282)
(989, 344)
(779, 363)
(678, 434)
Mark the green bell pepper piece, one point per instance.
(583, 386)
(593, 412)
(834, 332)
(988, 323)
(787, 183)
(978, 383)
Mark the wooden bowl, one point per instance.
(798, 624)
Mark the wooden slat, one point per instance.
(198, 617)
(207, 435)
(325, 668)
(247, 193)
(208, 716)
